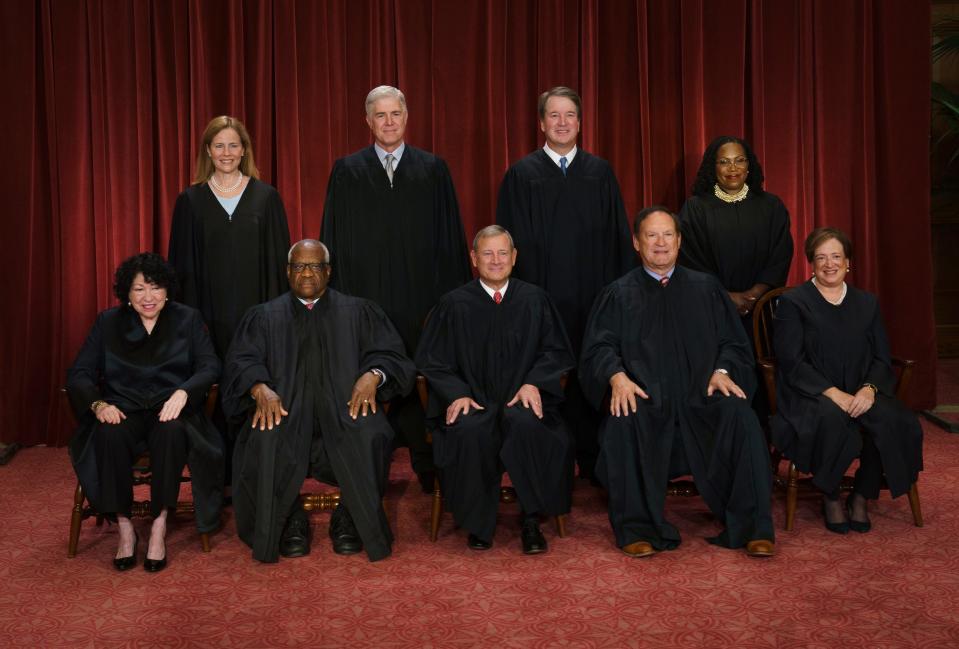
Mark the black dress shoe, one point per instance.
(533, 540)
(154, 565)
(346, 540)
(835, 528)
(474, 542)
(857, 526)
(295, 540)
(427, 481)
(125, 563)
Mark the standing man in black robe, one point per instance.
(494, 352)
(391, 216)
(305, 371)
(564, 210)
(666, 341)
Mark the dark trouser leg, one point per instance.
(583, 421)
(468, 454)
(537, 454)
(869, 475)
(408, 420)
(168, 451)
(115, 446)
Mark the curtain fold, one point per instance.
(107, 99)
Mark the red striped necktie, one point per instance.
(664, 280)
(497, 297)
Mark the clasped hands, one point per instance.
(171, 409)
(622, 400)
(853, 405)
(527, 394)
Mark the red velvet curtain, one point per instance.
(106, 100)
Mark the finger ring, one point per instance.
(366, 400)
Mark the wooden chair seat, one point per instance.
(766, 359)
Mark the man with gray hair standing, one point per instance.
(392, 216)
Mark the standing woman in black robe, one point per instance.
(229, 238)
(734, 230)
(835, 387)
(139, 383)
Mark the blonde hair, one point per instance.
(204, 164)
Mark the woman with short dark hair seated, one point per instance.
(138, 384)
(835, 388)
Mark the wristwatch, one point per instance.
(96, 405)
(720, 370)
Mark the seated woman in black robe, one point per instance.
(835, 388)
(139, 383)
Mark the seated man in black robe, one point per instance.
(305, 371)
(668, 343)
(493, 352)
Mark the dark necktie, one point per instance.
(562, 164)
(664, 280)
(497, 297)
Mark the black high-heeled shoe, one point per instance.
(857, 526)
(155, 565)
(125, 563)
(835, 528)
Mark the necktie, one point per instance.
(497, 297)
(664, 280)
(389, 167)
(562, 164)
(310, 306)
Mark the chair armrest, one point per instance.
(905, 367)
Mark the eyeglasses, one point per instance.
(316, 268)
(739, 162)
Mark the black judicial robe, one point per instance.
(401, 246)
(227, 264)
(821, 345)
(352, 336)
(571, 231)
(743, 243)
(473, 347)
(122, 364)
(669, 340)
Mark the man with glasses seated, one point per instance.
(304, 373)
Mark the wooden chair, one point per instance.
(507, 495)
(141, 508)
(763, 315)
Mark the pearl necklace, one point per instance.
(730, 198)
(225, 190)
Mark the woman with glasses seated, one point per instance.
(835, 388)
(138, 384)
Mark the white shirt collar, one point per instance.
(381, 153)
(306, 302)
(490, 291)
(556, 156)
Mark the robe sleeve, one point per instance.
(780, 248)
(555, 355)
(880, 371)
(331, 210)
(452, 267)
(513, 212)
(276, 245)
(795, 369)
(382, 348)
(83, 377)
(625, 255)
(245, 364)
(695, 251)
(206, 365)
(601, 355)
(436, 359)
(735, 353)
(182, 253)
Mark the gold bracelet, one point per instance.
(875, 390)
(96, 405)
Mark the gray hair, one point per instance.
(492, 231)
(312, 243)
(379, 92)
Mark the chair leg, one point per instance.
(561, 525)
(76, 517)
(914, 504)
(436, 510)
(792, 487)
(205, 541)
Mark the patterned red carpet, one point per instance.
(897, 586)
